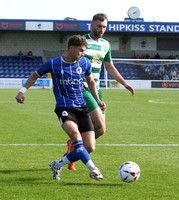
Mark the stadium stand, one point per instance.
(135, 70)
(129, 72)
(13, 67)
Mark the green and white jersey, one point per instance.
(97, 52)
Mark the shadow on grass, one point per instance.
(33, 181)
(43, 180)
(95, 184)
(21, 170)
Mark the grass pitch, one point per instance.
(143, 129)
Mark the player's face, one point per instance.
(78, 52)
(98, 28)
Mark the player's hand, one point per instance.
(130, 88)
(102, 105)
(20, 97)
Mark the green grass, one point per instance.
(24, 170)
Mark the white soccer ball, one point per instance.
(129, 171)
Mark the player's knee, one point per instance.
(100, 131)
(74, 135)
(90, 148)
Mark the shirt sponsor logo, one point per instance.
(71, 81)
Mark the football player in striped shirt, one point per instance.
(68, 72)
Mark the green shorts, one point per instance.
(90, 101)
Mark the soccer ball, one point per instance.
(129, 171)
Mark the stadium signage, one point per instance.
(40, 83)
(148, 27)
(164, 84)
(39, 26)
(66, 26)
(168, 44)
(75, 25)
(12, 25)
(10, 83)
(143, 28)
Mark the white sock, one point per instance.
(90, 165)
(62, 162)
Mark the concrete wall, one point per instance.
(11, 42)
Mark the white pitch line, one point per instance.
(140, 145)
(169, 101)
(28, 101)
(136, 145)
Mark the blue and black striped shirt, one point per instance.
(67, 80)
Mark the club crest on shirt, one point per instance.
(79, 70)
(64, 113)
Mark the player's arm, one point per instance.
(47, 67)
(92, 87)
(31, 80)
(117, 76)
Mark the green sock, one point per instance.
(96, 137)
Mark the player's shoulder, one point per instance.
(53, 62)
(104, 43)
(48, 62)
(56, 59)
(84, 60)
(85, 63)
(104, 40)
(86, 36)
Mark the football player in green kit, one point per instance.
(98, 51)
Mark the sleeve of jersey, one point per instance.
(46, 68)
(108, 57)
(88, 69)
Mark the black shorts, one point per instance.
(80, 116)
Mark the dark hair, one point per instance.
(76, 40)
(100, 16)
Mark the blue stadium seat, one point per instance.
(13, 67)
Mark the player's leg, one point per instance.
(73, 130)
(59, 112)
(97, 115)
(89, 141)
(98, 119)
(86, 129)
(79, 153)
(70, 148)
